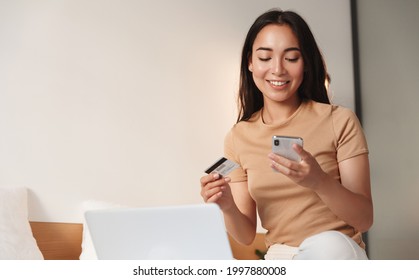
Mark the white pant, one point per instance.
(328, 245)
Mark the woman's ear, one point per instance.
(250, 66)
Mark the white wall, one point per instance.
(129, 101)
(389, 44)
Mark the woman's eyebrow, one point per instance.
(264, 49)
(286, 50)
(292, 49)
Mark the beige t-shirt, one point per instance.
(291, 213)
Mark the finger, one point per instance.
(278, 167)
(212, 187)
(220, 183)
(213, 193)
(207, 193)
(304, 155)
(215, 197)
(279, 160)
(286, 170)
(209, 178)
(274, 157)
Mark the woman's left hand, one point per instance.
(306, 173)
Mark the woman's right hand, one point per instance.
(215, 188)
(239, 213)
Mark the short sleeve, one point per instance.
(350, 136)
(230, 152)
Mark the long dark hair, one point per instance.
(313, 87)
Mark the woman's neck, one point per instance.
(275, 112)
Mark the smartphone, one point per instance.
(282, 145)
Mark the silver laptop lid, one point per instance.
(194, 232)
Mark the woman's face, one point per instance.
(277, 64)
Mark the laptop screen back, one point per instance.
(194, 232)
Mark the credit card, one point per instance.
(223, 166)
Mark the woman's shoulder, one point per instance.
(343, 114)
(343, 119)
(242, 129)
(254, 119)
(334, 110)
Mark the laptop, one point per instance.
(185, 232)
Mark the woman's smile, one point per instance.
(276, 84)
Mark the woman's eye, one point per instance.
(264, 59)
(292, 59)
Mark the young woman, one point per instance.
(316, 208)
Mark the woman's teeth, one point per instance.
(278, 83)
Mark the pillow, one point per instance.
(87, 248)
(16, 239)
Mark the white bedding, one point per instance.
(16, 239)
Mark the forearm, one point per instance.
(235, 202)
(355, 209)
(239, 226)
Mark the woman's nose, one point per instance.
(278, 67)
